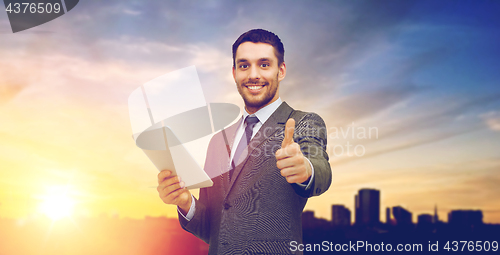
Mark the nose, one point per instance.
(254, 73)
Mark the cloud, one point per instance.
(402, 144)
(428, 123)
(433, 114)
(9, 91)
(492, 120)
(13, 79)
(367, 103)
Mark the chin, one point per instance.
(257, 103)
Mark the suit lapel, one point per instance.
(275, 122)
(228, 136)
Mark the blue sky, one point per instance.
(424, 73)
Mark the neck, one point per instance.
(252, 110)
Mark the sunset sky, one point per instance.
(424, 74)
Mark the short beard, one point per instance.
(267, 97)
(258, 104)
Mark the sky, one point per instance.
(422, 76)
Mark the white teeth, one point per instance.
(254, 87)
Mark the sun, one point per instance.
(57, 203)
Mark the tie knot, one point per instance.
(251, 120)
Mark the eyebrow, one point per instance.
(260, 60)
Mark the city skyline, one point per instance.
(396, 214)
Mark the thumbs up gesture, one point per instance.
(290, 160)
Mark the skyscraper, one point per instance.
(341, 216)
(425, 220)
(403, 217)
(388, 215)
(465, 218)
(367, 204)
(308, 219)
(435, 220)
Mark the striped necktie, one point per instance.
(250, 122)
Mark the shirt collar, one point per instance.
(264, 113)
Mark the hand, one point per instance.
(290, 160)
(172, 191)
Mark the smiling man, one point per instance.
(268, 163)
(257, 73)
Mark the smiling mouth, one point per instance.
(254, 87)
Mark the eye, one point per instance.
(243, 66)
(264, 65)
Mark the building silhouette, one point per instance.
(435, 220)
(341, 216)
(424, 219)
(402, 216)
(465, 218)
(308, 219)
(399, 225)
(425, 222)
(388, 216)
(367, 204)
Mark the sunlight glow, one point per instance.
(57, 203)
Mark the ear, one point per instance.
(282, 71)
(234, 74)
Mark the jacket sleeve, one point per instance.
(199, 225)
(311, 134)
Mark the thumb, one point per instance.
(289, 129)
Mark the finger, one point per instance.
(293, 178)
(288, 162)
(280, 154)
(293, 170)
(169, 181)
(286, 172)
(167, 190)
(291, 150)
(294, 175)
(174, 196)
(289, 129)
(163, 174)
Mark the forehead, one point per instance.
(254, 51)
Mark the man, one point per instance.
(268, 166)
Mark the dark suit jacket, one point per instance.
(258, 211)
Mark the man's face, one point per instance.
(257, 74)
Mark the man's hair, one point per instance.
(261, 36)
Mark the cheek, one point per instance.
(239, 78)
